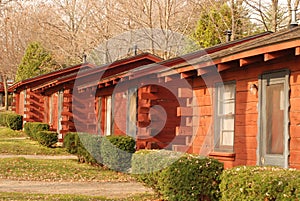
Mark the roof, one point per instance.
(9, 83)
(278, 41)
(257, 48)
(185, 60)
(169, 65)
(107, 70)
(46, 77)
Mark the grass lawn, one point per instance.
(28, 147)
(27, 196)
(51, 170)
(9, 133)
(55, 170)
(10, 145)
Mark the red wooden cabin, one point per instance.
(67, 110)
(31, 104)
(242, 105)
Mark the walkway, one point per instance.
(106, 189)
(57, 157)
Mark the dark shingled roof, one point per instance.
(268, 40)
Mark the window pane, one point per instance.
(108, 116)
(228, 107)
(228, 124)
(227, 138)
(275, 117)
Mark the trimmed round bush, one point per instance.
(85, 146)
(32, 128)
(116, 152)
(14, 121)
(148, 164)
(11, 120)
(191, 179)
(71, 141)
(90, 148)
(47, 138)
(260, 183)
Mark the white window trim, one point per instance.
(219, 117)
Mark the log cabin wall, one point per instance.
(246, 127)
(33, 107)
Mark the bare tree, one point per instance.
(158, 23)
(11, 41)
(270, 14)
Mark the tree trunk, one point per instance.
(4, 78)
(274, 15)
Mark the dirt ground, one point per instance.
(106, 189)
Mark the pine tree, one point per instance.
(36, 61)
(211, 26)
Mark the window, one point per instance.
(51, 110)
(108, 116)
(224, 116)
(132, 112)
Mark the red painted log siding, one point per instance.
(67, 115)
(151, 134)
(34, 107)
(246, 130)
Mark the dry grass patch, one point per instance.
(56, 170)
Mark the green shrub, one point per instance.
(47, 138)
(85, 146)
(260, 183)
(32, 128)
(116, 152)
(191, 179)
(14, 121)
(3, 119)
(11, 120)
(71, 141)
(148, 164)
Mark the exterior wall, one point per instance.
(67, 122)
(34, 107)
(154, 129)
(246, 118)
(295, 116)
(20, 103)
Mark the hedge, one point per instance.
(191, 179)
(116, 152)
(178, 176)
(85, 146)
(47, 138)
(32, 128)
(260, 183)
(148, 164)
(3, 119)
(11, 120)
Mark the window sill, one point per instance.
(223, 156)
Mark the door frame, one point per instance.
(265, 78)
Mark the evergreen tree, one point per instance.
(211, 26)
(36, 61)
(218, 18)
